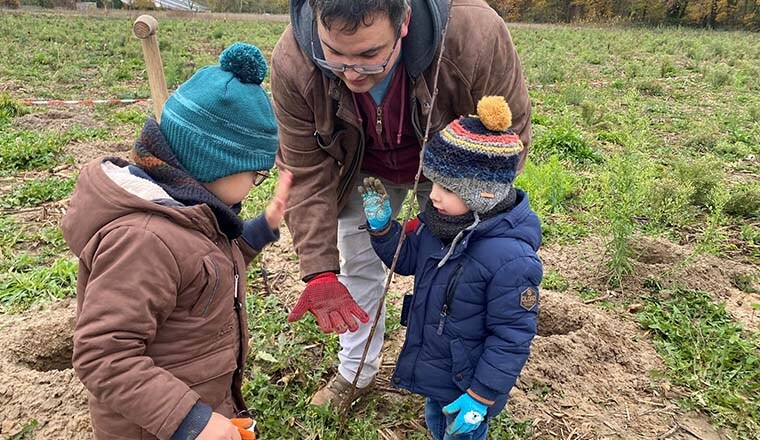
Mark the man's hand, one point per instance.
(331, 304)
(377, 207)
(276, 208)
(471, 415)
(219, 428)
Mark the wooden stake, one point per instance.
(146, 29)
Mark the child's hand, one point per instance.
(276, 208)
(377, 207)
(219, 428)
(471, 414)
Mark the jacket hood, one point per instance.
(418, 47)
(106, 191)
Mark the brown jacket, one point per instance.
(321, 140)
(158, 326)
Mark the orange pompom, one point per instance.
(494, 113)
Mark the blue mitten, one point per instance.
(377, 207)
(471, 415)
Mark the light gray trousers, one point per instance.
(362, 272)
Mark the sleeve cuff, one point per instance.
(257, 233)
(392, 233)
(195, 421)
(482, 393)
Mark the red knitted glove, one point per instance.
(331, 304)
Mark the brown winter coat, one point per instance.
(157, 327)
(321, 140)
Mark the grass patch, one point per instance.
(10, 108)
(38, 191)
(553, 280)
(28, 150)
(21, 289)
(710, 355)
(567, 143)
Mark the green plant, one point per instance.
(25, 431)
(667, 204)
(704, 175)
(712, 239)
(745, 282)
(710, 355)
(744, 201)
(37, 191)
(27, 150)
(18, 290)
(567, 143)
(622, 188)
(10, 108)
(554, 281)
(548, 185)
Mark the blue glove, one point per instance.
(377, 207)
(471, 415)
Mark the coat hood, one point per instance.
(106, 191)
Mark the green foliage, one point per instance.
(554, 281)
(37, 191)
(27, 150)
(704, 175)
(20, 289)
(9, 108)
(26, 431)
(711, 356)
(566, 142)
(744, 200)
(549, 185)
(714, 235)
(668, 204)
(745, 282)
(622, 184)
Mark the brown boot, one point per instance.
(337, 392)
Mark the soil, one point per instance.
(589, 375)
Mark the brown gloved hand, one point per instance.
(246, 427)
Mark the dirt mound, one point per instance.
(87, 151)
(38, 382)
(658, 264)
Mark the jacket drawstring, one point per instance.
(457, 238)
(401, 115)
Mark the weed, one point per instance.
(37, 191)
(548, 185)
(714, 235)
(745, 282)
(568, 143)
(744, 201)
(19, 290)
(554, 281)
(704, 175)
(27, 150)
(710, 355)
(10, 108)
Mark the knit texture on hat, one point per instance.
(220, 121)
(477, 163)
(153, 155)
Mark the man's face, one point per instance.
(368, 45)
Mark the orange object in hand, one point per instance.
(246, 427)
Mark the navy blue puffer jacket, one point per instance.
(471, 322)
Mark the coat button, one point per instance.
(397, 380)
(459, 377)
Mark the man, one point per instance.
(352, 89)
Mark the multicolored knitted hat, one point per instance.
(220, 121)
(476, 157)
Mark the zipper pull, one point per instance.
(442, 322)
(379, 122)
(237, 280)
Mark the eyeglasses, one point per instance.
(362, 69)
(260, 177)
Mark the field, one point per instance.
(645, 171)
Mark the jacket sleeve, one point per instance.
(511, 325)
(312, 213)
(256, 235)
(126, 299)
(499, 72)
(385, 248)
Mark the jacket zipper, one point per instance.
(379, 122)
(449, 297)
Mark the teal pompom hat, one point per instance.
(220, 121)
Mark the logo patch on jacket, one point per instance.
(529, 298)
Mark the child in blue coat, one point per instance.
(472, 317)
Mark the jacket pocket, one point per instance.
(209, 375)
(209, 292)
(332, 144)
(461, 366)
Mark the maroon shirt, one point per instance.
(392, 149)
